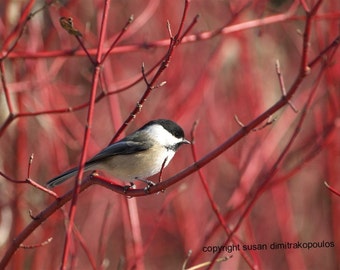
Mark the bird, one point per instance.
(138, 156)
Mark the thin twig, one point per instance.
(30, 165)
(49, 240)
(150, 84)
(86, 139)
(162, 169)
(238, 121)
(209, 263)
(67, 24)
(282, 85)
(209, 194)
(336, 192)
(114, 43)
(271, 173)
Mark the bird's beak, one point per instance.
(186, 141)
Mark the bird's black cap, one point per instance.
(169, 125)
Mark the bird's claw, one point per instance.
(149, 184)
(130, 186)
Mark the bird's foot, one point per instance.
(148, 183)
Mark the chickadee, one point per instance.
(139, 155)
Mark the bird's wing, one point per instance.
(124, 147)
(120, 148)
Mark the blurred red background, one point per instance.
(224, 67)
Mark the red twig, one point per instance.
(114, 43)
(210, 156)
(269, 176)
(282, 85)
(135, 236)
(29, 181)
(36, 222)
(104, 231)
(7, 95)
(164, 43)
(29, 165)
(200, 163)
(67, 24)
(184, 39)
(36, 185)
(213, 205)
(304, 68)
(49, 240)
(336, 192)
(12, 40)
(11, 179)
(317, 143)
(138, 192)
(84, 246)
(83, 157)
(330, 48)
(174, 41)
(102, 95)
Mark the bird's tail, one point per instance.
(61, 178)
